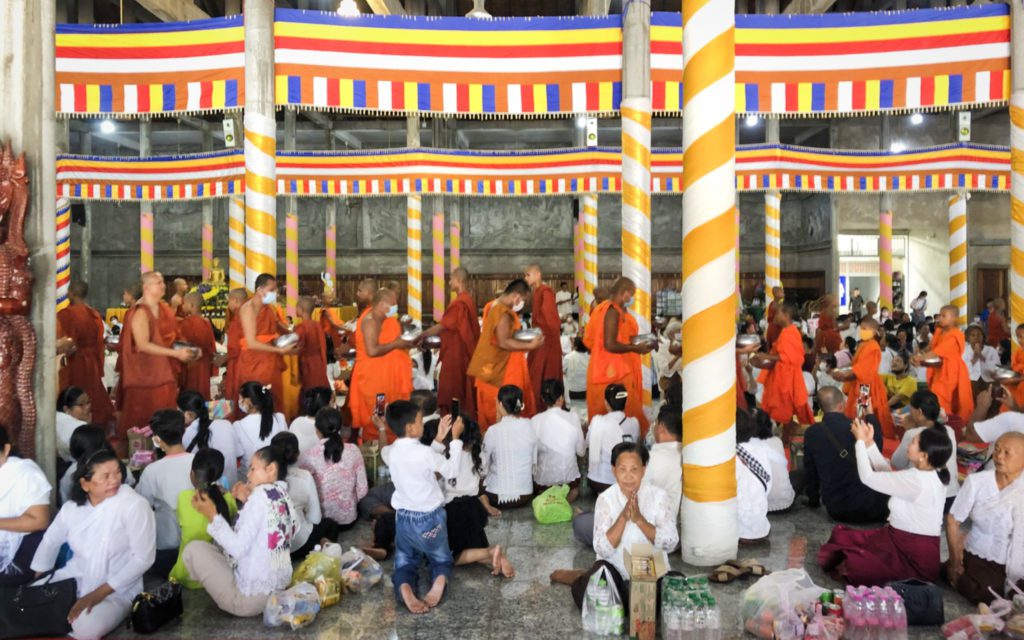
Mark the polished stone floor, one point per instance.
(527, 606)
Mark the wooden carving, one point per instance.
(17, 337)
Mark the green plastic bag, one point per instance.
(551, 506)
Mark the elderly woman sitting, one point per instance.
(991, 554)
(627, 513)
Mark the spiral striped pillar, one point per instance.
(146, 260)
(207, 251)
(579, 284)
(455, 245)
(739, 290)
(589, 224)
(260, 197)
(885, 259)
(636, 214)
(772, 243)
(958, 255)
(709, 528)
(437, 239)
(1017, 207)
(291, 263)
(331, 253)
(414, 257)
(236, 243)
(63, 217)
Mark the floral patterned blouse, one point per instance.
(340, 484)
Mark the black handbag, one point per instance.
(153, 609)
(922, 601)
(39, 611)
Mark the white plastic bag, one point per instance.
(296, 607)
(769, 606)
(602, 610)
(359, 571)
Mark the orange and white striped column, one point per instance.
(772, 244)
(260, 125)
(236, 243)
(437, 260)
(414, 257)
(885, 260)
(63, 244)
(589, 224)
(291, 263)
(636, 215)
(958, 255)
(207, 251)
(1017, 206)
(709, 528)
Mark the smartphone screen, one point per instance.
(863, 400)
(379, 410)
(455, 408)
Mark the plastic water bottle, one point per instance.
(899, 615)
(602, 608)
(617, 620)
(714, 620)
(688, 616)
(887, 623)
(871, 621)
(700, 617)
(854, 613)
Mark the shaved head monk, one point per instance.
(864, 373)
(771, 334)
(614, 359)
(330, 324)
(196, 329)
(230, 383)
(383, 366)
(785, 394)
(131, 294)
(180, 289)
(546, 360)
(950, 381)
(459, 331)
(500, 359)
(259, 360)
(600, 295)
(365, 291)
(150, 367)
(312, 347)
(84, 326)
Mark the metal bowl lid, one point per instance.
(932, 362)
(286, 340)
(181, 344)
(432, 342)
(527, 334)
(748, 339)
(644, 338)
(1002, 373)
(411, 334)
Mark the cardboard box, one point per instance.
(645, 565)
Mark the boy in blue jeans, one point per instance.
(421, 526)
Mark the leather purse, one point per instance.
(153, 609)
(922, 601)
(37, 611)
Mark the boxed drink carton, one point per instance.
(645, 565)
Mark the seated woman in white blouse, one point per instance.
(754, 481)
(259, 425)
(510, 449)
(111, 531)
(302, 491)
(255, 561)
(560, 442)
(629, 512)
(924, 414)
(605, 432)
(991, 555)
(908, 546)
(203, 433)
(74, 408)
(24, 513)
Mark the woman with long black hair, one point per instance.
(259, 424)
(207, 469)
(203, 432)
(337, 468)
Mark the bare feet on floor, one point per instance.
(496, 556)
(412, 603)
(492, 511)
(566, 576)
(433, 597)
(507, 569)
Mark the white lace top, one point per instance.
(560, 441)
(655, 507)
(989, 538)
(510, 448)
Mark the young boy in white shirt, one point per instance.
(667, 456)
(421, 528)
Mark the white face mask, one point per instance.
(270, 297)
(628, 303)
(823, 367)
(392, 311)
(517, 307)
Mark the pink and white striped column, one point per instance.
(437, 236)
(207, 251)
(291, 263)
(885, 260)
(146, 260)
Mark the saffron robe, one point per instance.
(262, 366)
(312, 356)
(389, 374)
(785, 394)
(459, 334)
(607, 368)
(951, 382)
(865, 367)
(150, 382)
(196, 375)
(84, 368)
(494, 367)
(546, 360)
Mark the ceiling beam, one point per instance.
(116, 138)
(325, 123)
(809, 133)
(809, 6)
(386, 7)
(173, 10)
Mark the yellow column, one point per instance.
(636, 214)
(291, 262)
(437, 239)
(236, 243)
(772, 244)
(1017, 207)
(885, 260)
(709, 529)
(589, 224)
(260, 197)
(414, 257)
(958, 255)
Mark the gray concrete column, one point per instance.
(147, 242)
(27, 105)
(208, 202)
(884, 142)
(636, 51)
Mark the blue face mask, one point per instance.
(629, 303)
(393, 311)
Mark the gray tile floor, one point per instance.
(528, 606)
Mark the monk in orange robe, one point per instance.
(950, 381)
(864, 371)
(84, 327)
(613, 358)
(741, 378)
(998, 326)
(545, 362)
(132, 294)
(149, 364)
(259, 360)
(178, 299)
(198, 331)
(771, 334)
(785, 394)
(383, 366)
(827, 339)
(1017, 364)
(312, 348)
(230, 384)
(460, 332)
(330, 325)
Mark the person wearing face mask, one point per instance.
(499, 359)
(864, 372)
(614, 359)
(383, 366)
(900, 385)
(259, 360)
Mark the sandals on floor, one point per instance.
(726, 573)
(753, 567)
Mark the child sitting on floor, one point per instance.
(420, 521)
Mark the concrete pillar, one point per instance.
(1017, 162)
(709, 533)
(207, 213)
(958, 255)
(414, 235)
(636, 166)
(147, 258)
(260, 142)
(27, 105)
(85, 250)
(885, 230)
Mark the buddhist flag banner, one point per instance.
(515, 67)
(852, 62)
(150, 69)
(185, 177)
